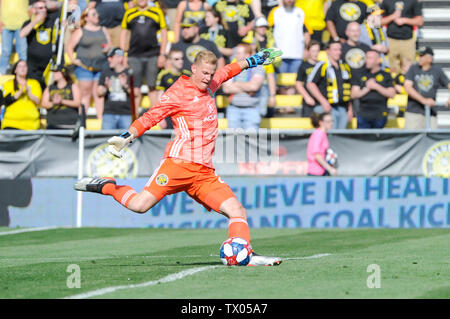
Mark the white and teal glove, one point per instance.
(118, 143)
(263, 57)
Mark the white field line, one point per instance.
(308, 257)
(27, 230)
(168, 278)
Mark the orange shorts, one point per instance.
(198, 181)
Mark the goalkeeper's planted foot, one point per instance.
(258, 260)
(95, 185)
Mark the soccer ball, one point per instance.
(331, 157)
(235, 252)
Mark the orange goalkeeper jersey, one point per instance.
(194, 117)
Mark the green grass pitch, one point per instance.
(413, 263)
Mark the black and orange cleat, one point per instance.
(95, 185)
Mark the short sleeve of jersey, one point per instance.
(270, 19)
(399, 79)
(36, 89)
(411, 73)
(417, 8)
(251, 15)
(162, 18)
(443, 79)
(103, 75)
(124, 24)
(158, 81)
(331, 12)
(269, 68)
(359, 81)
(301, 73)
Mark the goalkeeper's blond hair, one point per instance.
(205, 56)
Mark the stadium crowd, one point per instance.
(349, 57)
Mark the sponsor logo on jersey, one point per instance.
(210, 118)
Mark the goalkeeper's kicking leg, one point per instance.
(124, 194)
(145, 200)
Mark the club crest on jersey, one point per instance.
(162, 179)
(350, 11)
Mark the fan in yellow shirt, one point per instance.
(23, 113)
(315, 11)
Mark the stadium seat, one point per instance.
(93, 124)
(286, 79)
(289, 100)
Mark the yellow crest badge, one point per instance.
(350, 11)
(436, 161)
(162, 179)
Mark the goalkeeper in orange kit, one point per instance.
(187, 162)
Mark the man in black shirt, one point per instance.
(353, 51)
(114, 86)
(192, 43)
(373, 89)
(329, 84)
(41, 37)
(341, 13)
(421, 83)
(400, 18)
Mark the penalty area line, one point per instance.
(168, 278)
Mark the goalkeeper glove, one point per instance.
(117, 143)
(263, 57)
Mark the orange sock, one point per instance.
(122, 194)
(238, 227)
